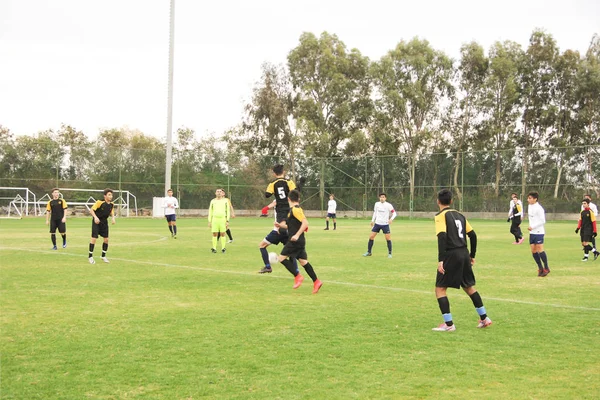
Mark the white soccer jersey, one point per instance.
(331, 207)
(383, 213)
(593, 207)
(170, 204)
(537, 218)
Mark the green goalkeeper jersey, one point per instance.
(219, 208)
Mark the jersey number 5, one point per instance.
(281, 193)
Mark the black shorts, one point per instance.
(295, 250)
(171, 218)
(275, 237)
(57, 223)
(100, 229)
(458, 270)
(586, 236)
(330, 215)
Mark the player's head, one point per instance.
(219, 192)
(331, 196)
(382, 197)
(532, 197)
(585, 202)
(55, 193)
(587, 196)
(108, 194)
(278, 169)
(294, 196)
(170, 192)
(444, 197)
(514, 196)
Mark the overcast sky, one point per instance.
(104, 64)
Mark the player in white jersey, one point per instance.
(170, 204)
(383, 215)
(594, 209)
(331, 209)
(537, 220)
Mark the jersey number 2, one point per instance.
(459, 228)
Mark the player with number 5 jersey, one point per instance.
(281, 188)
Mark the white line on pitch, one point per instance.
(351, 284)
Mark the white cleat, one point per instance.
(105, 260)
(91, 260)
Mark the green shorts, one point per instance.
(218, 225)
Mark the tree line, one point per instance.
(506, 119)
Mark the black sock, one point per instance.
(444, 304)
(91, 249)
(310, 271)
(389, 243)
(64, 239)
(53, 238)
(171, 229)
(104, 249)
(265, 256)
(370, 247)
(326, 224)
(174, 229)
(538, 260)
(290, 267)
(228, 232)
(544, 259)
(334, 225)
(478, 303)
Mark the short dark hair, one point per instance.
(169, 190)
(294, 195)
(278, 169)
(445, 197)
(382, 194)
(57, 189)
(514, 194)
(586, 201)
(533, 195)
(587, 195)
(107, 191)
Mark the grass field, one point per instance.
(166, 319)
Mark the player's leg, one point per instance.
(327, 223)
(62, 228)
(334, 223)
(586, 250)
(535, 254)
(95, 230)
(105, 248)
(53, 227)
(371, 240)
(303, 260)
(223, 240)
(228, 232)
(484, 320)
(388, 238)
(168, 218)
(444, 305)
(543, 256)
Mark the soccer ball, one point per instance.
(273, 258)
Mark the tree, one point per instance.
(334, 92)
(412, 82)
(77, 152)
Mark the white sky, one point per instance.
(104, 64)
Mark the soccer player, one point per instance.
(594, 209)
(331, 208)
(56, 217)
(383, 215)
(274, 237)
(218, 219)
(587, 225)
(537, 220)
(170, 204)
(280, 187)
(515, 214)
(455, 262)
(100, 211)
(232, 213)
(296, 224)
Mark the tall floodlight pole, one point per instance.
(170, 102)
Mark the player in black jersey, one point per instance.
(100, 211)
(589, 230)
(454, 261)
(297, 224)
(56, 217)
(280, 187)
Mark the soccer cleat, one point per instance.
(326, 229)
(266, 270)
(584, 259)
(105, 259)
(298, 281)
(54, 248)
(214, 251)
(230, 241)
(515, 243)
(545, 272)
(540, 272)
(520, 240)
(390, 255)
(484, 323)
(91, 260)
(223, 251)
(444, 328)
(64, 245)
(367, 254)
(174, 236)
(596, 254)
(317, 285)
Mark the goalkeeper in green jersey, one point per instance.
(218, 219)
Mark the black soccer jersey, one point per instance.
(587, 221)
(294, 222)
(57, 208)
(280, 187)
(103, 209)
(451, 228)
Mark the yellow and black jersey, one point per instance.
(56, 208)
(517, 211)
(451, 228)
(280, 187)
(294, 222)
(103, 209)
(587, 221)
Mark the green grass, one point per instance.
(166, 319)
